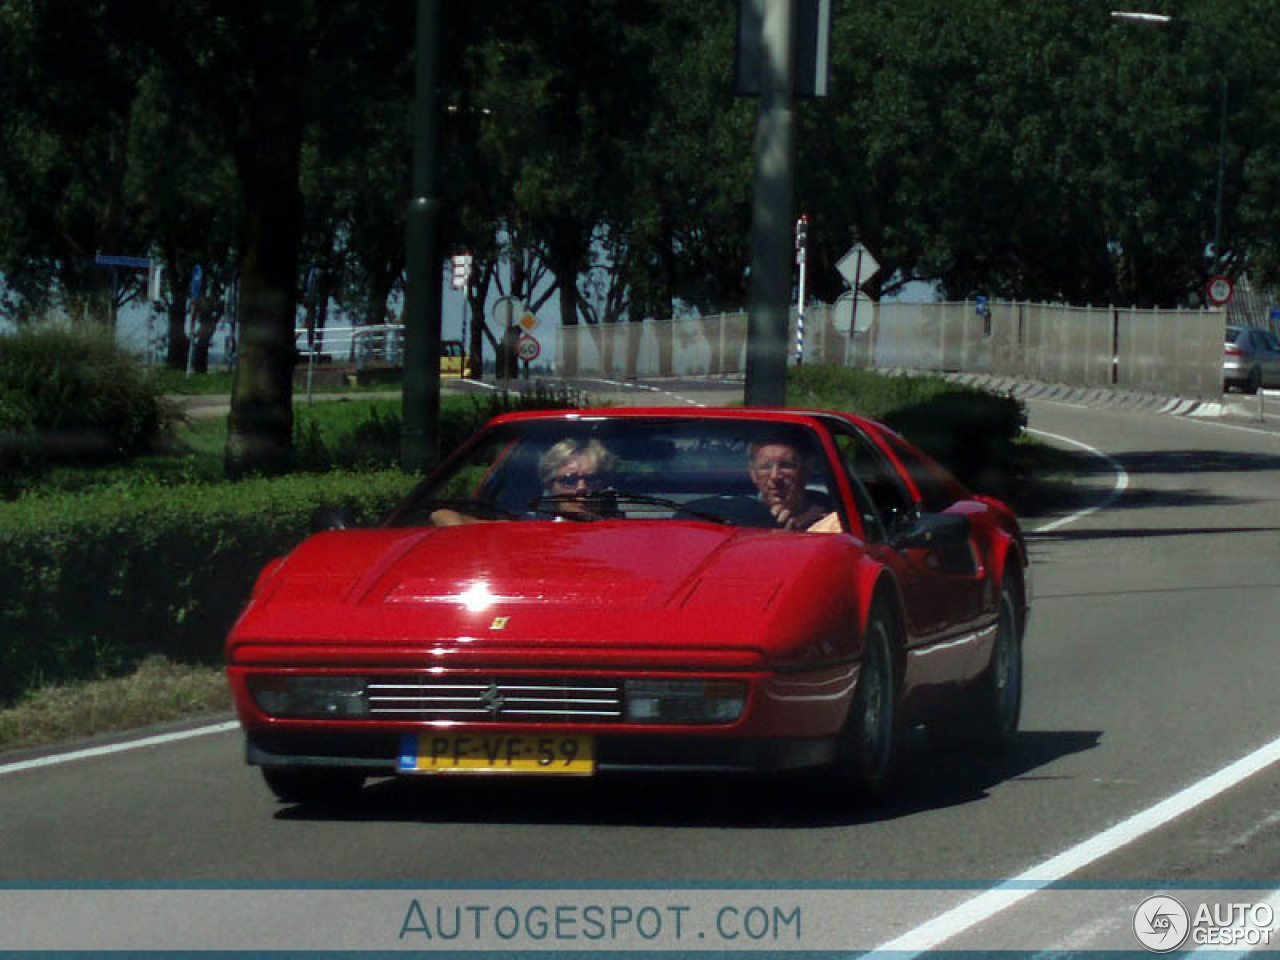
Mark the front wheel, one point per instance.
(868, 749)
(312, 784)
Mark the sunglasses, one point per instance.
(593, 481)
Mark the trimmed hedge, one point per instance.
(91, 585)
(969, 431)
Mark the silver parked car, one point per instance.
(1251, 359)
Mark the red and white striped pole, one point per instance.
(802, 238)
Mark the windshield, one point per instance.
(717, 471)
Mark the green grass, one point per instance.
(158, 691)
(176, 382)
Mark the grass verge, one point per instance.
(158, 691)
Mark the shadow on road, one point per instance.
(930, 779)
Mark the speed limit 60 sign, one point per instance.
(528, 348)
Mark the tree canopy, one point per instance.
(595, 153)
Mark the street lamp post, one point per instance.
(1163, 19)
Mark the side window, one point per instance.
(883, 502)
(936, 491)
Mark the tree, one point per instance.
(184, 186)
(249, 65)
(65, 111)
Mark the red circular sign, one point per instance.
(1220, 290)
(528, 348)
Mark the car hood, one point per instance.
(616, 584)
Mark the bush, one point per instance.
(71, 397)
(969, 431)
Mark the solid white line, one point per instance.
(157, 740)
(983, 907)
(1121, 483)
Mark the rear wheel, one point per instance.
(868, 749)
(312, 784)
(1254, 383)
(991, 714)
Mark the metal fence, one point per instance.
(1169, 352)
(357, 347)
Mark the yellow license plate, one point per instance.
(496, 753)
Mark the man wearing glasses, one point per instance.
(780, 472)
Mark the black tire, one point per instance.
(989, 720)
(868, 749)
(312, 784)
(1254, 383)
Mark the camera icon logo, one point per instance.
(1161, 923)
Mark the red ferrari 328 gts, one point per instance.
(574, 593)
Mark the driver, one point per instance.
(573, 472)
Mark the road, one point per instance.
(1151, 661)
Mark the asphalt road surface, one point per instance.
(1151, 669)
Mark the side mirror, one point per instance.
(933, 531)
(330, 518)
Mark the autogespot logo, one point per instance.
(1160, 923)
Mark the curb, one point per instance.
(1127, 400)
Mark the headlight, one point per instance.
(336, 698)
(685, 701)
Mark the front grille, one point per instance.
(531, 699)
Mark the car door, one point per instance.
(942, 592)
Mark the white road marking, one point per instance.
(945, 926)
(644, 386)
(1121, 483)
(155, 741)
(986, 905)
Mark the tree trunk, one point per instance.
(176, 310)
(268, 148)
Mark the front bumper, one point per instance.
(377, 753)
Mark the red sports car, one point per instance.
(575, 593)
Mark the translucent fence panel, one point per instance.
(908, 335)
(1071, 345)
(1177, 353)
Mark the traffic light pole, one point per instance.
(420, 441)
(766, 374)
